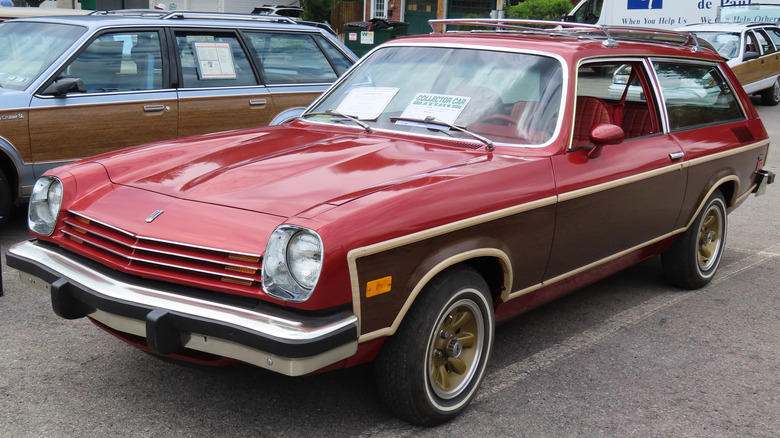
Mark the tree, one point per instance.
(540, 9)
(316, 10)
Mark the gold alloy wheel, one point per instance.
(710, 237)
(455, 348)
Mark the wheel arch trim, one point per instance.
(734, 199)
(492, 253)
(7, 150)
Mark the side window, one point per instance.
(291, 58)
(751, 45)
(774, 35)
(613, 93)
(763, 41)
(213, 60)
(127, 61)
(340, 61)
(696, 95)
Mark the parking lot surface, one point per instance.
(628, 356)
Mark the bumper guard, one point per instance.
(280, 341)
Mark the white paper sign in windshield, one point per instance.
(215, 61)
(442, 107)
(367, 103)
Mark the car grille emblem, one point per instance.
(154, 216)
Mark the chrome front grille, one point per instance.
(176, 262)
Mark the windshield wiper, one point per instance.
(346, 116)
(433, 120)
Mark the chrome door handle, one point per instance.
(676, 155)
(257, 102)
(153, 108)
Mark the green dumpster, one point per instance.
(362, 36)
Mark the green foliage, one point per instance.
(539, 9)
(316, 10)
(464, 27)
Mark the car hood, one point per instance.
(281, 171)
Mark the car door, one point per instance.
(218, 88)
(125, 100)
(296, 66)
(628, 197)
(761, 62)
(707, 120)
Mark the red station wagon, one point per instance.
(446, 183)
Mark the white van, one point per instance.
(663, 14)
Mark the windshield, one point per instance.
(27, 49)
(727, 44)
(506, 97)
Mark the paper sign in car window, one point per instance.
(367, 103)
(215, 61)
(443, 107)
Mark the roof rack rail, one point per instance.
(227, 16)
(180, 15)
(610, 34)
(130, 12)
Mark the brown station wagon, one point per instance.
(446, 183)
(76, 86)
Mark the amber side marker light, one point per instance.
(378, 287)
(237, 281)
(244, 258)
(241, 270)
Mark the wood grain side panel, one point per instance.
(201, 115)
(13, 127)
(703, 174)
(77, 131)
(603, 223)
(524, 237)
(749, 72)
(285, 101)
(205, 114)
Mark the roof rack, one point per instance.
(610, 34)
(181, 15)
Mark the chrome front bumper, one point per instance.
(274, 339)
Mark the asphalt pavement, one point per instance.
(626, 357)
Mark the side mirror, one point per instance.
(749, 56)
(62, 86)
(602, 135)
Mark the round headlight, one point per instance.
(45, 203)
(304, 258)
(292, 263)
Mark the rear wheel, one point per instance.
(5, 199)
(693, 259)
(771, 96)
(429, 371)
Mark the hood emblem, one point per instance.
(154, 216)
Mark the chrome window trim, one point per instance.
(564, 87)
(702, 62)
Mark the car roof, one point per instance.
(724, 27)
(175, 19)
(573, 43)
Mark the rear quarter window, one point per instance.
(291, 58)
(696, 95)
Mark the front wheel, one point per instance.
(771, 96)
(429, 371)
(693, 259)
